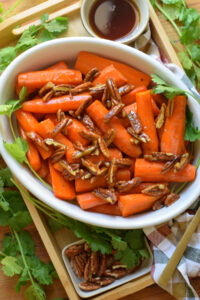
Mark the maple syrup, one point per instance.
(114, 19)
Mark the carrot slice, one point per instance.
(152, 171)
(122, 139)
(123, 174)
(89, 200)
(26, 120)
(172, 140)
(135, 203)
(83, 186)
(65, 103)
(110, 72)
(114, 153)
(107, 209)
(145, 113)
(74, 130)
(86, 61)
(130, 97)
(133, 107)
(62, 188)
(61, 65)
(44, 170)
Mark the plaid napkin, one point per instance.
(164, 238)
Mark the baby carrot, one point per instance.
(97, 111)
(145, 113)
(133, 107)
(130, 97)
(74, 130)
(89, 200)
(83, 186)
(123, 174)
(65, 103)
(114, 153)
(152, 172)
(26, 120)
(172, 140)
(107, 209)
(61, 65)
(110, 72)
(44, 170)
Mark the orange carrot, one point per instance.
(83, 186)
(130, 97)
(159, 99)
(61, 65)
(155, 108)
(110, 72)
(114, 153)
(32, 153)
(124, 121)
(152, 171)
(172, 140)
(74, 130)
(122, 139)
(44, 170)
(135, 203)
(145, 113)
(86, 61)
(26, 120)
(89, 200)
(44, 153)
(133, 107)
(107, 209)
(62, 188)
(123, 174)
(37, 79)
(138, 189)
(64, 103)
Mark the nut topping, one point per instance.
(113, 112)
(143, 137)
(109, 136)
(59, 127)
(171, 198)
(102, 265)
(91, 74)
(92, 168)
(169, 165)
(37, 139)
(81, 109)
(89, 286)
(83, 87)
(103, 147)
(125, 89)
(125, 186)
(85, 152)
(46, 89)
(119, 273)
(135, 122)
(52, 142)
(111, 177)
(124, 162)
(89, 135)
(161, 117)
(160, 156)
(112, 88)
(60, 115)
(94, 262)
(87, 121)
(74, 250)
(105, 194)
(57, 155)
(179, 166)
(156, 190)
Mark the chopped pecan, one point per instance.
(125, 89)
(124, 162)
(57, 155)
(60, 115)
(37, 139)
(85, 152)
(87, 271)
(89, 135)
(105, 194)
(135, 122)
(109, 136)
(105, 96)
(74, 250)
(160, 156)
(102, 265)
(113, 112)
(89, 286)
(125, 186)
(159, 203)
(180, 165)
(52, 142)
(106, 281)
(59, 127)
(113, 89)
(68, 168)
(111, 177)
(119, 273)
(97, 91)
(46, 88)
(76, 268)
(94, 262)
(80, 263)
(168, 165)
(143, 137)
(156, 190)
(78, 146)
(87, 121)
(92, 168)
(91, 74)
(171, 198)
(103, 147)
(161, 117)
(62, 89)
(48, 96)
(81, 109)
(85, 175)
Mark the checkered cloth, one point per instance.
(164, 238)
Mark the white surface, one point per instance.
(67, 49)
(142, 270)
(142, 6)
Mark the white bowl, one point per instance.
(143, 8)
(67, 49)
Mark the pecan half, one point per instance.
(125, 186)
(46, 88)
(105, 96)
(135, 122)
(111, 177)
(94, 262)
(105, 194)
(92, 168)
(75, 268)
(113, 112)
(169, 165)
(48, 96)
(74, 250)
(117, 265)
(160, 156)
(60, 115)
(89, 135)
(68, 168)
(80, 262)
(161, 117)
(57, 155)
(109, 136)
(171, 198)
(87, 121)
(180, 165)
(52, 142)
(81, 109)
(102, 265)
(59, 127)
(124, 162)
(156, 190)
(103, 147)
(83, 87)
(119, 273)
(91, 74)
(125, 89)
(113, 89)
(159, 203)
(106, 281)
(89, 286)
(143, 137)
(37, 139)
(62, 89)
(87, 271)
(85, 152)
(97, 91)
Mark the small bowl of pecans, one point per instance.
(93, 273)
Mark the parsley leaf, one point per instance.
(17, 149)
(192, 133)
(135, 238)
(57, 26)
(10, 266)
(6, 56)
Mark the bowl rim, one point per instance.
(97, 219)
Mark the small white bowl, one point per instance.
(142, 270)
(143, 9)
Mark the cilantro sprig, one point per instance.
(186, 22)
(32, 36)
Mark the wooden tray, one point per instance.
(54, 242)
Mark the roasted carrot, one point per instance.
(26, 120)
(145, 113)
(65, 103)
(83, 186)
(172, 140)
(32, 153)
(44, 153)
(107, 209)
(152, 172)
(138, 189)
(122, 139)
(74, 130)
(37, 79)
(130, 97)
(159, 99)
(89, 200)
(86, 61)
(123, 174)
(62, 188)
(61, 65)
(133, 107)
(44, 170)
(155, 107)
(135, 203)
(110, 72)
(114, 153)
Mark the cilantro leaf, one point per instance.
(57, 26)
(185, 60)
(195, 51)
(10, 266)
(20, 220)
(34, 292)
(192, 133)
(28, 39)
(190, 33)
(44, 18)
(4, 217)
(171, 1)
(9, 245)
(45, 36)
(128, 257)
(172, 10)
(18, 149)
(144, 253)
(26, 242)
(22, 280)
(4, 205)
(6, 56)
(6, 175)
(157, 79)
(135, 238)
(23, 93)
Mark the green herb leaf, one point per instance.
(9, 245)
(135, 238)
(195, 52)
(128, 257)
(23, 93)
(26, 242)
(34, 292)
(6, 176)
(4, 217)
(17, 149)
(28, 39)
(185, 60)
(192, 133)
(57, 26)
(45, 36)
(144, 253)
(20, 220)
(10, 266)
(6, 56)
(24, 278)
(44, 18)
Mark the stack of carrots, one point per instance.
(97, 134)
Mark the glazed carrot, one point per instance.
(172, 140)
(152, 172)
(62, 188)
(123, 174)
(26, 120)
(133, 107)
(89, 200)
(38, 116)
(155, 108)
(107, 209)
(44, 170)
(86, 61)
(61, 65)
(135, 203)
(145, 113)
(58, 167)
(74, 132)
(159, 99)
(32, 153)
(110, 72)
(44, 153)
(122, 139)
(130, 97)
(64, 103)
(124, 121)
(138, 189)
(83, 186)
(114, 153)
(130, 107)
(37, 79)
